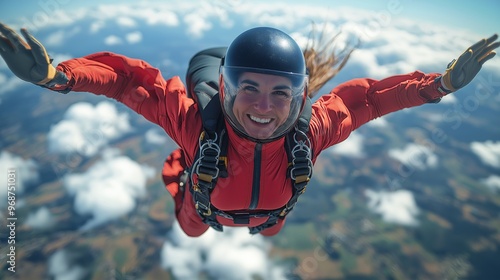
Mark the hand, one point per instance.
(28, 61)
(462, 70)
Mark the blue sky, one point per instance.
(480, 17)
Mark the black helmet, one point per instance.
(267, 51)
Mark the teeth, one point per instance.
(259, 120)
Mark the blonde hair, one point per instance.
(323, 59)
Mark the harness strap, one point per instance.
(207, 169)
(209, 163)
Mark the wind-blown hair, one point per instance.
(323, 59)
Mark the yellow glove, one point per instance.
(462, 70)
(28, 61)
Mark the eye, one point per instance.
(282, 94)
(249, 89)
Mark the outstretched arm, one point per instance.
(377, 98)
(367, 99)
(356, 102)
(130, 81)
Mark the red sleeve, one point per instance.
(356, 102)
(139, 86)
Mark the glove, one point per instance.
(28, 61)
(462, 70)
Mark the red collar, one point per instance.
(246, 145)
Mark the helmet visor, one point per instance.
(262, 104)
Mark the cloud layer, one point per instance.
(25, 171)
(60, 267)
(156, 136)
(488, 152)
(351, 147)
(493, 183)
(40, 219)
(232, 254)
(85, 128)
(415, 156)
(108, 189)
(397, 207)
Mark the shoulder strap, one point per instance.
(305, 116)
(210, 161)
(299, 156)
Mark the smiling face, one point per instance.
(262, 103)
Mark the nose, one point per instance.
(263, 103)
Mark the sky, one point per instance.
(480, 17)
(409, 35)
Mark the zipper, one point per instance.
(256, 176)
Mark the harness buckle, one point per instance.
(207, 177)
(203, 209)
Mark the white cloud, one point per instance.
(49, 16)
(108, 189)
(96, 26)
(449, 99)
(85, 128)
(9, 84)
(156, 137)
(112, 40)
(134, 37)
(152, 14)
(158, 16)
(41, 219)
(492, 182)
(59, 37)
(416, 156)
(379, 123)
(363, 63)
(24, 172)
(58, 58)
(61, 269)
(126, 21)
(232, 254)
(197, 25)
(488, 152)
(351, 147)
(202, 16)
(55, 39)
(395, 207)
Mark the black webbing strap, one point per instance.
(210, 161)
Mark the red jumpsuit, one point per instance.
(164, 102)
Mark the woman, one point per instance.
(263, 86)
